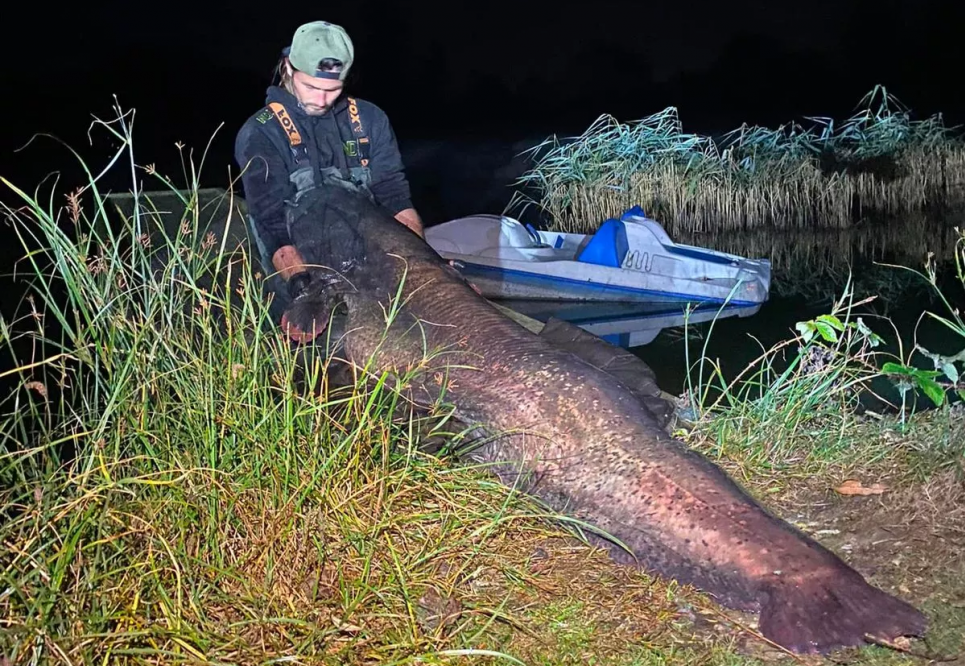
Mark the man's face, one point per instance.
(316, 95)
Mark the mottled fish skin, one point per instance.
(586, 445)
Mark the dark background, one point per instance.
(465, 87)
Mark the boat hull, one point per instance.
(574, 281)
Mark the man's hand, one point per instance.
(300, 325)
(410, 218)
(288, 261)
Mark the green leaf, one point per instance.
(806, 329)
(891, 368)
(933, 390)
(951, 372)
(873, 338)
(950, 324)
(831, 320)
(827, 332)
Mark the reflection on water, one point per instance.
(816, 264)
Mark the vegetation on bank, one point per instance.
(805, 402)
(879, 161)
(171, 491)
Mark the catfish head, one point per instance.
(325, 228)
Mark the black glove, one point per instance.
(298, 285)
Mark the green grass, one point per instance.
(172, 491)
(879, 161)
(798, 406)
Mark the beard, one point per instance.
(315, 109)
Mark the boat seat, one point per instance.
(608, 246)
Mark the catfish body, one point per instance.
(574, 435)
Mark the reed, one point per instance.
(825, 175)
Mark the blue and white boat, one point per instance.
(630, 259)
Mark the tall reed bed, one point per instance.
(879, 161)
(170, 491)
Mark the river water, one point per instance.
(810, 269)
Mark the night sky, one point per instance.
(490, 72)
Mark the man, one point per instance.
(310, 134)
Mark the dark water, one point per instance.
(811, 270)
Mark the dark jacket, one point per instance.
(265, 170)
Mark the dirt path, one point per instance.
(908, 540)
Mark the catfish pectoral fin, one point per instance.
(820, 613)
(616, 361)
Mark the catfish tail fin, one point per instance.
(824, 612)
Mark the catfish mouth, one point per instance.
(312, 312)
(301, 327)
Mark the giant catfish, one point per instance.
(573, 434)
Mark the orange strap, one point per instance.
(287, 124)
(356, 119)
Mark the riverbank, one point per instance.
(170, 492)
(880, 161)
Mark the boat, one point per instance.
(628, 259)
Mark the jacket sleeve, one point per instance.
(266, 184)
(389, 183)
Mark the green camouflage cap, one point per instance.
(315, 41)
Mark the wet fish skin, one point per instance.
(582, 441)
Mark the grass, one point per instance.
(879, 161)
(172, 491)
(824, 397)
